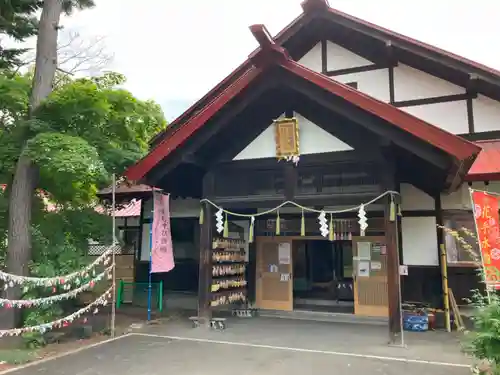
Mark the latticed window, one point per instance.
(458, 250)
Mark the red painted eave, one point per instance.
(454, 145)
(460, 149)
(137, 171)
(310, 7)
(487, 165)
(280, 38)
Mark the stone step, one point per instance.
(323, 317)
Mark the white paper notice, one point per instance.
(363, 268)
(376, 266)
(285, 277)
(284, 253)
(365, 250)
(403, 270)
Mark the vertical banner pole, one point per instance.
(150, 262)
(397, 222)
(446, 297)
(485, 280)
(113, 260)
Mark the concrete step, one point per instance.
(323, 317)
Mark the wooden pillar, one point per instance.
(205, 265)
(443, 261)
(391, 238)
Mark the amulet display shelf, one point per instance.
(229, 284)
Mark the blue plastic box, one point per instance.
(415, 322)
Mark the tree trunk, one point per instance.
(46, 52)
(25, 177)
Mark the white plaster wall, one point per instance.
(419, 241)
(312, 140)
(413, 199)
(337, 58)
(374, 83)
(411, 84)
(460, 200)
(450, 116)
(341, 58)
(486, 114)
(312, 59)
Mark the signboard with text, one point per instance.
(485, 208)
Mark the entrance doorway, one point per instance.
(315, 274)
(322, 275)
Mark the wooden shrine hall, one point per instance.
(387, 147)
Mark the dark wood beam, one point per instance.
(324, 56)
(198, 139)
(415, 50)
(440, 233)
(356, 69)
(470, 115)
(139, 239)
(305, 160)
(482, 136)
(250, 125)
(322, 200)
(391, 59)
(372, 126)
(388, 182)
(291, 181)
(434, 100)
(205, 265)
(192, 159)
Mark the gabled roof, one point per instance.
(272, 55)
(487, 165)
(321, 9)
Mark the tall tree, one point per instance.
(25, 176)
(17, 21)
(77, 137)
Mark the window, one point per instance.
(354, 85)
(456, 250)
(130, 238)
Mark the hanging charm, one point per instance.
(362, 220)
(226, 228)
(201, 215)
(278, 224)
(219, 222)
(302, 225)
(323, 226)
(251, 230)
(392, 210)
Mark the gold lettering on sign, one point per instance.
(287, 137)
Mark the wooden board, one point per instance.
(274, 280)
(370, 292)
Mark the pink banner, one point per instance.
(162, 252)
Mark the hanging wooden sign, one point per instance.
(287, 138)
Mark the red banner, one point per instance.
(162, 252)
(486, 218)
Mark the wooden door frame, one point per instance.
(258, 279)
(358, 309)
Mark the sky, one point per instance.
(174, 51)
